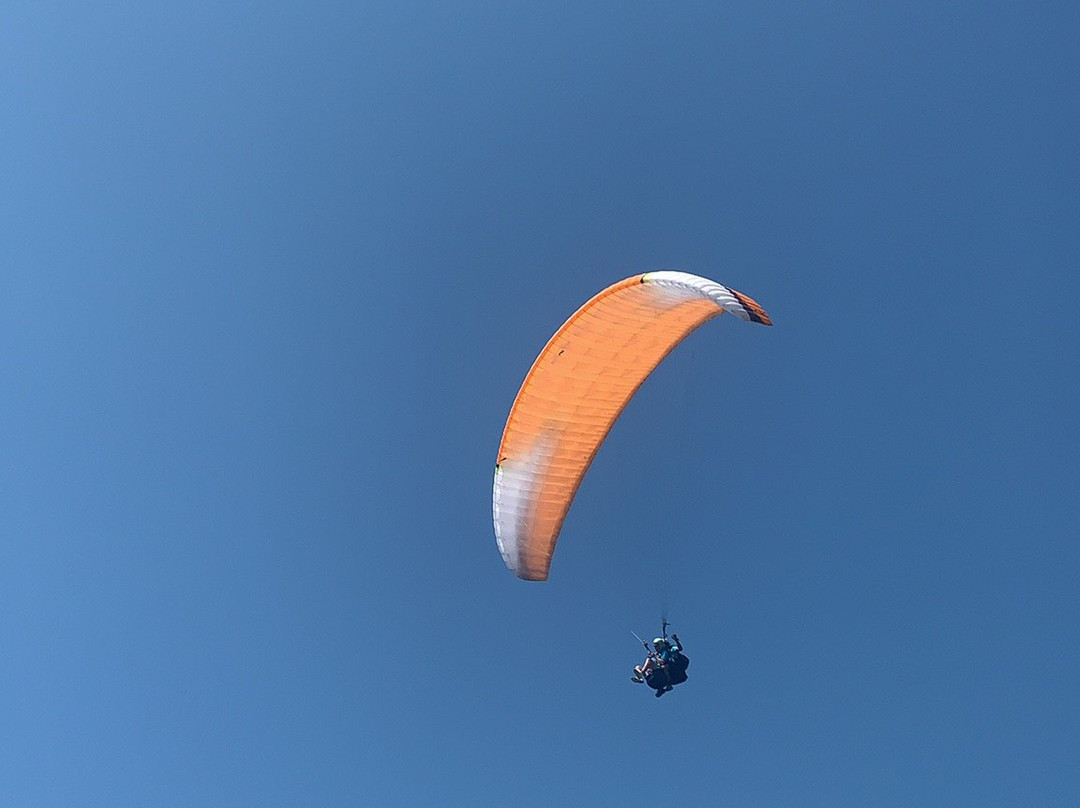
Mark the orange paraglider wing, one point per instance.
(575, 391)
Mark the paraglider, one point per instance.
(576, 389)
(664, 666)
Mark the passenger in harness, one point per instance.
(664, 666)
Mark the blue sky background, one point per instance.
(272, 274)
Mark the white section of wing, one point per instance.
(694, 285)
(514, 497)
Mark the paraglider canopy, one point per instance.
(576, 389)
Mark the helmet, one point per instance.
(660, 642)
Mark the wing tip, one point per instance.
(531, 572)
(753, 309)
(538, 577)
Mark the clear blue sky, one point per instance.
(272, 274)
